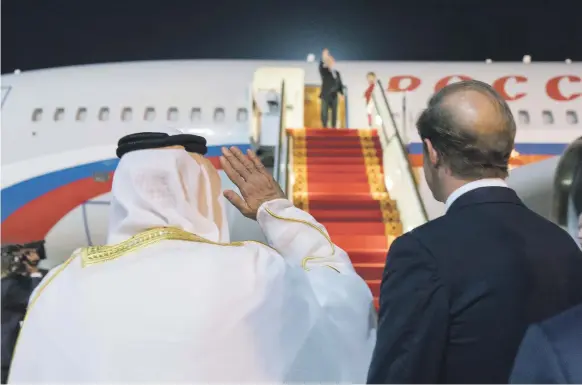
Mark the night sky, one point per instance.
(49, 33)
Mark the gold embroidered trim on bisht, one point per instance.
(307, 259)
(99, 254)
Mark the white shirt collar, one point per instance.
(493, 182)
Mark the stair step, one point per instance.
(339, 188)
(347, 216)
(344, 169)
(333, 177)
(331, 132)
(369, 271)
(353, 228)
(338, 141)
(342, 147)
(337, 133)
(317, 140)
(361, 255)
(325, 148)
(345, 196)
(338, 203)
(362, 242)
(355, 154)
(335, 160)
(333, 142)
(349, 153)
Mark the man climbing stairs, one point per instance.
(339, 180)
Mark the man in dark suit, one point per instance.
(331, 88)
(459, 292)
(23, 276)
(551, 352)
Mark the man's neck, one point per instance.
(458, 187)
(452, 185)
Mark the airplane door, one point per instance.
(312, 108)
(271, 78)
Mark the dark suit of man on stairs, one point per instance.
(331, 88)
(459, 292)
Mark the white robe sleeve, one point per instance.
(346, 310)
(300, 239)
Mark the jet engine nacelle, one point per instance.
(553, 187)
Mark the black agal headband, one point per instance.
(151, 140)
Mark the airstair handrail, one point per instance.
(383, 102)
(281, 161)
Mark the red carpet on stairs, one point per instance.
(338, 179)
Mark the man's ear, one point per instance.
(432, 154)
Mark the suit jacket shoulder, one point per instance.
(412, 242)
(441, 227)
(429, 227)
(495, 218)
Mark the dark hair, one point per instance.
(38, 246)
(469, 154)
(371, 74)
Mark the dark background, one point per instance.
(49, 33)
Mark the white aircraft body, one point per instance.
(60, 126)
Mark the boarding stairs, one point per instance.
(338, 178)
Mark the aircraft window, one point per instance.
(149, 114)
(81, 114)
(195, 114)
(59, 114)
(572, 117)
(173, 114)
(219, 114)
(37, 115)
(548, 117)
(523, 117)
(104, 114)
(242, 115)
(126, 114)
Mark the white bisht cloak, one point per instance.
(170, 300)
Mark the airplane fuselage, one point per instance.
(60, 126)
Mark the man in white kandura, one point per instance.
(168, 299)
